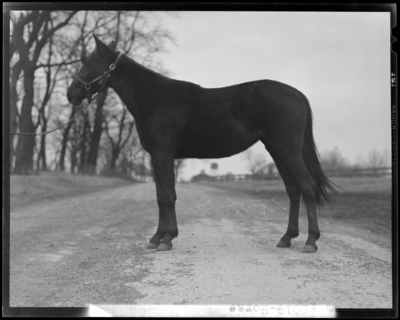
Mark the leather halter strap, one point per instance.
(106, 74)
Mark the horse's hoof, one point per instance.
(308, 248)
(282, 244)
(164, 247)
(152, 245)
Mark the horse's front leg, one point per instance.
(167, 230)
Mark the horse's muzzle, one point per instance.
(75, 96)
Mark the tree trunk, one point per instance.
(42, 152)
(13, 109)
(178, 164)
(74, 160)
(25, 146)
(83, 154)
(114, 157)
(65, 140)
(96, 135)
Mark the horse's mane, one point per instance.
(143, 67)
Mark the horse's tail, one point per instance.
(312, 162)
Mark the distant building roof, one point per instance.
(202, 177)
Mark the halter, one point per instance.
(106, 74)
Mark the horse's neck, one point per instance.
(134, 83)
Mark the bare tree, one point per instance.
(137, 33)
(29, 43)
(18, 24)
(51, 80)
(333, 160)
(178, 165)
(84, 142)
(65, 138)
(255, 162)
(74, 143)
(377, 159)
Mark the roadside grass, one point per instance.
(49, 185)
(364, 202)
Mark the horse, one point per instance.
(179, 119)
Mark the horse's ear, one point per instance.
(102, 49)
(113, 45)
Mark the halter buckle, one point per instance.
(112, 66)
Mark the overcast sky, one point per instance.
(340, 61)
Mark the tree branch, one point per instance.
(57, 64)
(48, 33)
(18, 27)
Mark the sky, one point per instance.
(339, 60)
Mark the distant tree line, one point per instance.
(334, 160)
(46, 50)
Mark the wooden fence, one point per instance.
(246, 177)
(365, 172)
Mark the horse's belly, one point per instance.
(216, 141)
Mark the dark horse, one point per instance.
(178, 119)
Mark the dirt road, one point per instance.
(90, 249)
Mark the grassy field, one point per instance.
(364, 202)
(49, 185)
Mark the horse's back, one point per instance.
(260, 105)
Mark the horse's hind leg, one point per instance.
(308, 189)
(290, 153)
(293, 192)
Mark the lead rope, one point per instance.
(58, 128)
(90, 100)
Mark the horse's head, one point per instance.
(94, 73)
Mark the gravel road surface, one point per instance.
(90, 249)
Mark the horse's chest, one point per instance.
(159, 130)
(143, 136)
